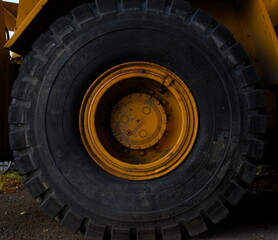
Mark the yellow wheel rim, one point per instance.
(138, 121)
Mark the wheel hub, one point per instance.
(138, 121)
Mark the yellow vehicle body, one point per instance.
(154, 128)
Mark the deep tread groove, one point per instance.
(120, 6)
(167, 7)
(84, 226)
(158, 233)
(95, 9)
(107, 233)
(208, 222)
(133, 234)
(143, 5)
(62, 213)
(184, 232)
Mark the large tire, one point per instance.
(54, 78)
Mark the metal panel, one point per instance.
(10, 13)
(27, 11)
(250, 23)
(264, 38)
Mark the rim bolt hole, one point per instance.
(162, 90)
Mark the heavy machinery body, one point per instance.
(253, 23)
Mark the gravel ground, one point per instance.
(256, 218)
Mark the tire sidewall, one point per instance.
(72, 67)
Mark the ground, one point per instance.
(255, 218)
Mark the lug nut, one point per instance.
(142, 153)
(156, 147)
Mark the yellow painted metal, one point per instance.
(26, 8)
(272, 8)
(250, 23)
(10, 13)
(27, 11)
(263, 38)
(138, 121)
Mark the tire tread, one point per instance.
(215, 33)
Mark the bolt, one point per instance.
(147, 110)
(124, 118)
(143, 133)
(142, 153)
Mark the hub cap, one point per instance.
(138, 121)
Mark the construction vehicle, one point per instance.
(139, 119)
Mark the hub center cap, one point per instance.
(138, 121)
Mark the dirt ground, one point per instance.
(254, 219)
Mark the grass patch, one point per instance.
(10, 182)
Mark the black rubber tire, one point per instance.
(53, 79)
